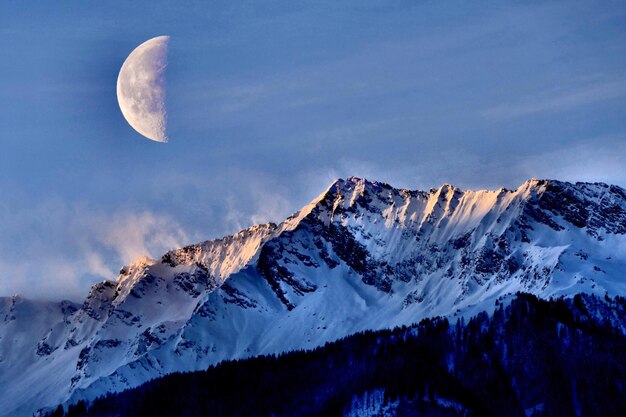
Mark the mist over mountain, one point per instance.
(361, 256)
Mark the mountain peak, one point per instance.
(363, 255)
(356, 183)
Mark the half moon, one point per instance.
(141, 88)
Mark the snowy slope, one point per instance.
(363, 255)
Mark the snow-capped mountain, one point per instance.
(363, 255)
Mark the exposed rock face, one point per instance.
(363, 255)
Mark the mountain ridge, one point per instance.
(363, 255)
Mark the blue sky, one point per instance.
(268, 102)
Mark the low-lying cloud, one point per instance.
(56, 250)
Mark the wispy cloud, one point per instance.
(59, 249)
(259, 198)
(385, 67)
(595, 159)
(558, 100)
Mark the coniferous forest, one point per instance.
(532, 357)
